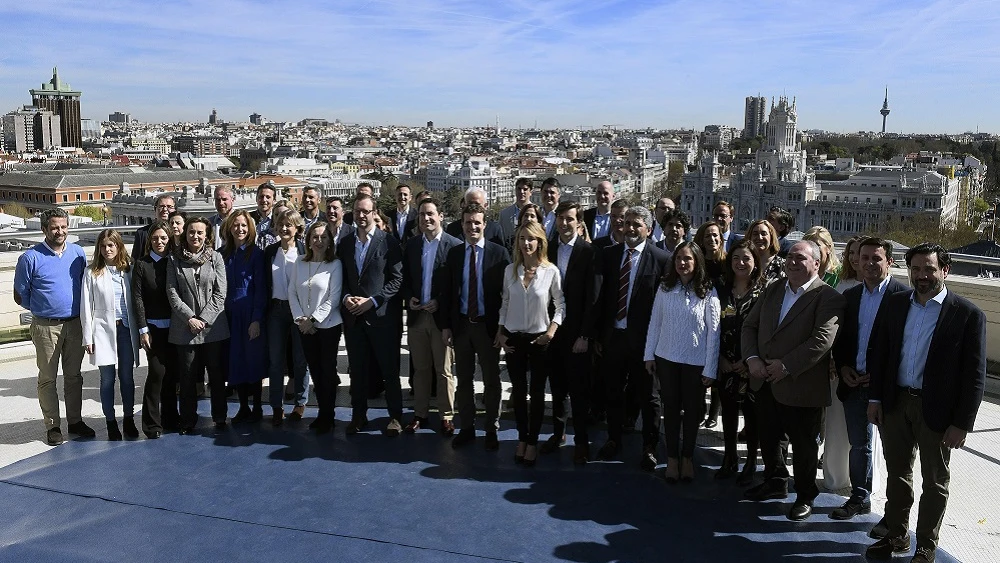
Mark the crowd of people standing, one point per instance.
(629, 316)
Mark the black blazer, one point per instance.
(139, 242)
(413, 279)
(495, 260)
(149, 290)
(578, 290)
(381, 278)
(845, 350)
(345, 231)
(491, 233)
(409, 230)
(652, 265)
(955, 372)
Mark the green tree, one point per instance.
(95, 212)
(675, 178)
(15, 209)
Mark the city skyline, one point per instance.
(560, 64)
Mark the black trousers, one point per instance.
(370, 348)
(527, 416)
(680, 389)
(159, 394)
(802, 426)
(193, 360)
(731, 407)
(771, 433)
(570, 376)
(625, 376)
(321, 349)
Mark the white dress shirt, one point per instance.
(792, 296)
(564, 251)
(281, 271)
(427, 256)
(526, 309)
(684, 329)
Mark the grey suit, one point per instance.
(508, 223)
(202, 296)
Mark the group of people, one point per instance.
(622, 312)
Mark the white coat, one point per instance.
(97, 317)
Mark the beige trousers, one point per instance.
(55, 340)
(429, 355)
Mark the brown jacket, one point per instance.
(802, 341)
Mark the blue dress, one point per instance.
(246, 299)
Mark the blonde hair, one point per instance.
(829, 262)
(699, 238)
(122, 260)
(229, 245)
(537, 232)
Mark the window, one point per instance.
(65, 197)
(78, 197)
(102, 197)
(90, 196)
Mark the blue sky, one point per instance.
(560, 63)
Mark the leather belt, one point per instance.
(63, 320)
(912, 391)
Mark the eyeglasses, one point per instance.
(165, 207)
(364, 211)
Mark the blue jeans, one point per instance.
(859, 434)
(126, 365)
(280, 331)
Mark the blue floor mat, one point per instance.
(254, 493)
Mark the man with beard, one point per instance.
(266, 196)
(163, 206)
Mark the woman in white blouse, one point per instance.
(110, 334)
(682, 351)
(531, 286)
(313, 295)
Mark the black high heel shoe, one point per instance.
(530, 455)
(728, 469)
(519, 457)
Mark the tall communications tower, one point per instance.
(57, 97)
(885, 108)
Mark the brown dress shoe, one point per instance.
(416, 424)
(447, 428)
(297, 413)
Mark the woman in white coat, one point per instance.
(110, 334)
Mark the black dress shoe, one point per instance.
(186, 431)
(242, 415)
(800, 511)
(128, 427)
(114, 434)
(581, 454)
(356, 425)
(609, 451)
(220, 425)
(850, 509)
(710, 423)
(879, 531)
(924, 555)
(492, 442)
(81, 429)
(746, 476)
(257, 415)
(770, 489)
(322, 426)
(887, 546)
(728, 469)
(462, 438)
(552, 444)
(648, 460)
(53, 436)
(153, 434)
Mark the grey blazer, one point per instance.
(205, 299)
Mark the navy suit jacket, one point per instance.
(652, 265)
(495, 261)
(845, 351)
(409, 230)
(955, 372)
(578, 290)
(381, 278)
(413, 279)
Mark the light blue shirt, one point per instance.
(636, 254)
(118, 280)
(601, 225)
(870, 302)
(562, 259)
(480, 250)
(401, 222)
(549, 223)
(427, 257)
(921, 320)
(361, 249)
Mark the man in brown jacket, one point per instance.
(787, 339)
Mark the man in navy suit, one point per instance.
(598, 219)
(675, 226)
(403, 219)
(928, 376)
(424, 282)
(371, 307)
(569, 349)
(864, 311)
(723, 215)
(470, 322)
(335, 219)
(631, 273)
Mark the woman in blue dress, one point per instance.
(246, 300)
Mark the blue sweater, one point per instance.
(49, 285)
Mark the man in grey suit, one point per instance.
(371, 307)
(523, 189)
(787, 341)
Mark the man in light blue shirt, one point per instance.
(47, 281)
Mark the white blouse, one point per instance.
(281, 271)
(314, 291)
(527, 309)
(685, 329)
